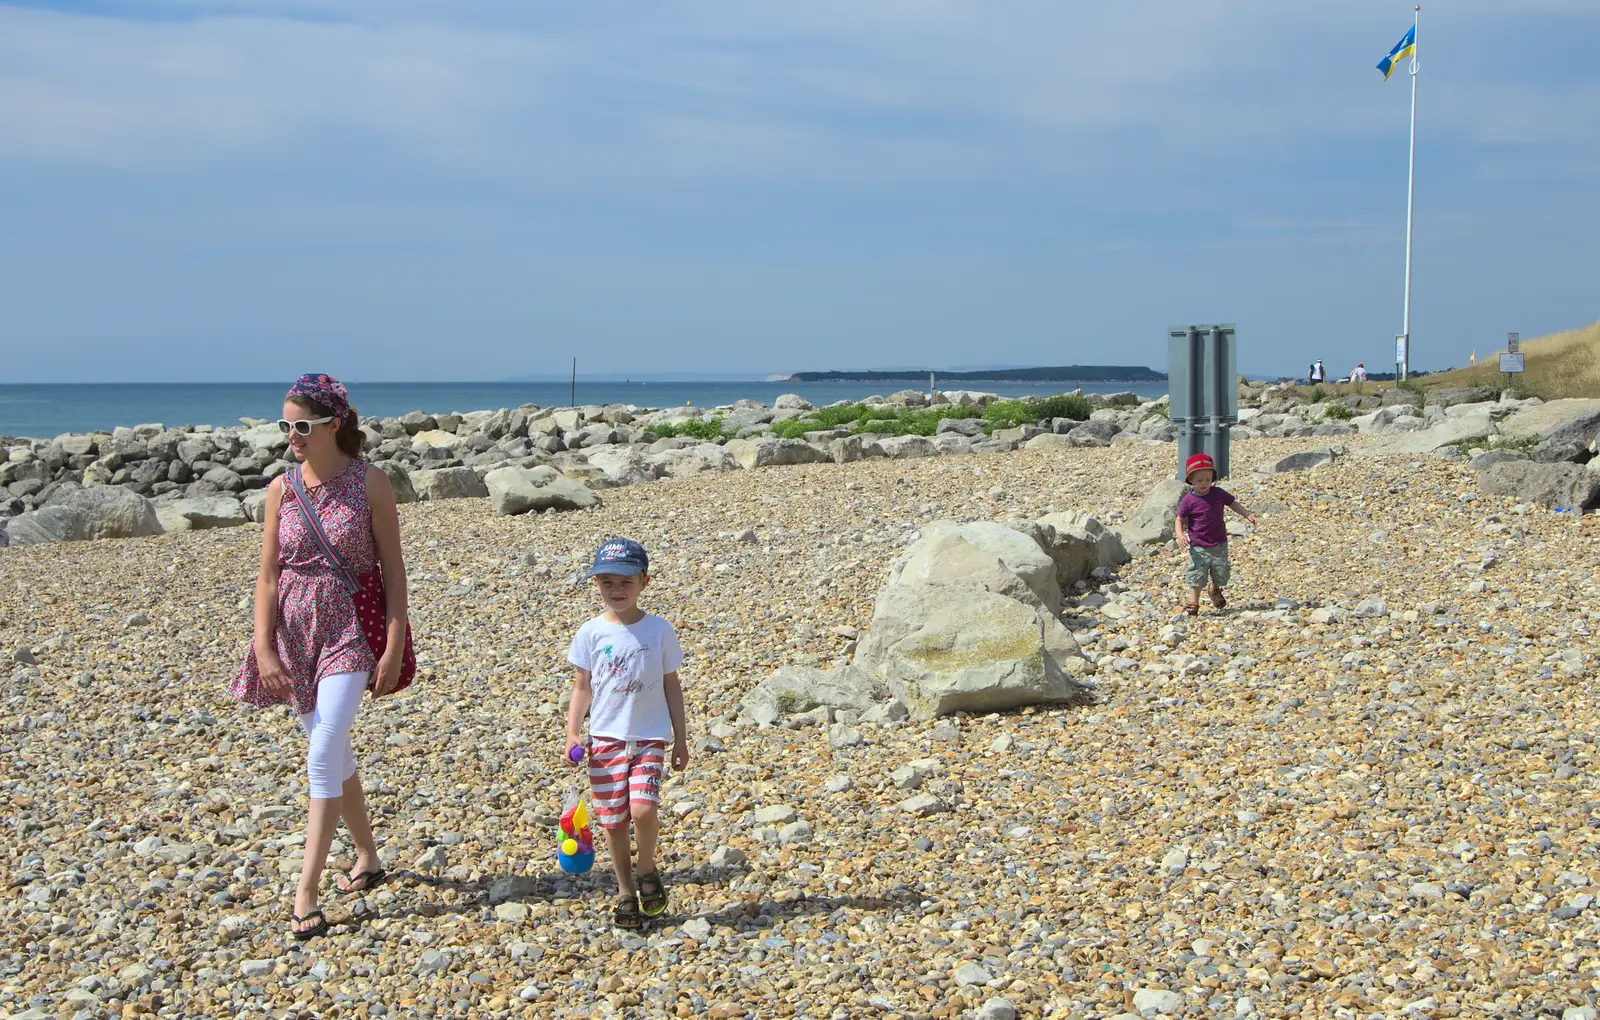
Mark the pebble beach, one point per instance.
(1365, 789)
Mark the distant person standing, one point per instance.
(1311, 373)
(1318, 373)
(1360, 373)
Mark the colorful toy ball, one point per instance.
(575, 845)
(575, 864)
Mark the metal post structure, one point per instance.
(1203, 391)
(574, 382)
(1411, 186)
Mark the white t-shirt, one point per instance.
(1359, 375)
(627, 665)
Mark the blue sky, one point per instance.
(408, 190)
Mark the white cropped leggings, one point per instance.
(331, 760)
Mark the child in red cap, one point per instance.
(1204, 532)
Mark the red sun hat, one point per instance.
(1199, 462)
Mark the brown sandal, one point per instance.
(625, 914)
(1217, 598)
(1192, 608)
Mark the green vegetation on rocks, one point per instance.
(860, 419)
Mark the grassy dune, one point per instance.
(1559, 365)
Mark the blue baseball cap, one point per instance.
(622, 556)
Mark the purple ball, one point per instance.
(575, 754)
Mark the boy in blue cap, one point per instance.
(627, 665)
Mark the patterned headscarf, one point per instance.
(325, 390)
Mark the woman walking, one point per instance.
(330, 621)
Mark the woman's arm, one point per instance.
(391, 558)
(266, 614)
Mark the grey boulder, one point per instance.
(203, 512)
(1154, 522)
(448, 483)
(1554, 485)
(795, 689)
(514, 490)
(976, 651)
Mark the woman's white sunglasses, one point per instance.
(303, 426)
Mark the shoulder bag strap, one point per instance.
(314, 525)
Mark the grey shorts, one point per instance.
(1208, 563)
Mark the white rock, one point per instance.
(1157, 999)
(697, 928)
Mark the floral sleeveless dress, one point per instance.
(318, 632)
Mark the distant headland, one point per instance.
(1064, 373)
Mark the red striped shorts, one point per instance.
(620, 773)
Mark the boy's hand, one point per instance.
(1183, 540)
(1252, 519)
(680, 755)
(566, 755)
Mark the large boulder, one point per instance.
(1048, 442)
(1444, 432)
(1575, 421)
(947, 558)
(695, 459)
(1447, 396)
(853, 448)
(969, 427)
(795, 689)
(515, 490)
(771, 452)
(791, 402)
(1305, 460)
(265, 437)
(439, 439)
(448, 483)
(624, 465)
(1021, 554)
(1095, 432)
(106, 512)
(1079, 544)
(1554, 485)
(961, 649)
(1157, 516)
(203, 512)
(907, 447)
(39, 527)
(255, 505)
(399, 480)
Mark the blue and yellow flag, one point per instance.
(1406, 47)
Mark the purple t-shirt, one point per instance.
(1204, 515)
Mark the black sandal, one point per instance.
(626, 913)
(369, 880)
(320, 928)
(652, 894)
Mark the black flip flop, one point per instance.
(369, 880)
(321, 927)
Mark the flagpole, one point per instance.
(1411, 187)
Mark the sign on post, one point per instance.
(1402, 352)
(1513, 343)
(1511, 364)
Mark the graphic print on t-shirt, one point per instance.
(620, 671)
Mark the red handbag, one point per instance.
(366, 590)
